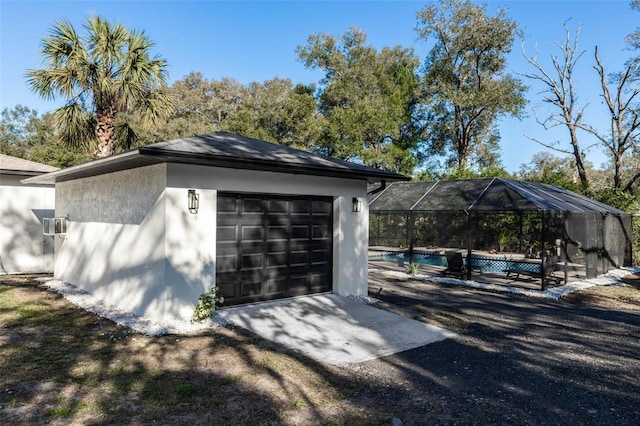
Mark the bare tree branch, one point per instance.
(625, 121)
(559, 92)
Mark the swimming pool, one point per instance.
(484, 263)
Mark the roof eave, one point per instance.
(91, 168)
(269, 165)
(147, 156)
(20, 172)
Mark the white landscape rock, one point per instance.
(150, 328)
(611, 278)
(140, 324)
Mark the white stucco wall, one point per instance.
(190, 249)
(132, 242)
(23, 247)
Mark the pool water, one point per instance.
(488, 264)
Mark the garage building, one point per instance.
(151, 229)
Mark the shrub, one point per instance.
(207, 303)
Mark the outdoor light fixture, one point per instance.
(194, 201)
(356, 205)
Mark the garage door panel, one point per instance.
(322, 208)
(227, 233)
(251, 261)
(298, 284)
(299, 258)
(250, 247)
(251, 275)
(278, 232)
(226, 263)
(304, 219)
(276, 207)
(300, 232)
(277, 287)
(251, 289)
(227, 205)
(277, 273)
(316, 279)
(277, 258)
(251, 233)
(320, 256)
(320, 232)
(300, 207)
(273, 246)
(277, 245)
(227, 287)
(252, 205)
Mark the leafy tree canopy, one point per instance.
(367, 98)
(465, 86)
(26, 134)
(280, 112)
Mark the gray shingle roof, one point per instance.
(19, 166)
(229, 150)
(225, 150)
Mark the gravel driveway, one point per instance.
(516, 360)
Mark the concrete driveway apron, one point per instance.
(334, 329)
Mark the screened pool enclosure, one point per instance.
(503, 229)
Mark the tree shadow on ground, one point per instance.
(632, 280)
(63, 365)
(519, 360)
(514, 361)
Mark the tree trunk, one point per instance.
(105, 132)
(578, 155)
(462, 139)
(617, 176)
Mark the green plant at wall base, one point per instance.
(207, 303)
(413, 268)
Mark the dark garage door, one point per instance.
(271, 246)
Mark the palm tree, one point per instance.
(105, 76)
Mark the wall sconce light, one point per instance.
(194, 201)
(356, 205)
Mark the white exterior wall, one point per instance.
(132, 242)
(114, 247)
(190, 249)
(23, 247)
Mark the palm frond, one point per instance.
(126, 136)
(62, 46)
(76, 126)
(156, 105)
(65, 65)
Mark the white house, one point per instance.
(151, 229)
(23, 247)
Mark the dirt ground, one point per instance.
(515, 360)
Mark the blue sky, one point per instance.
(256, 40)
